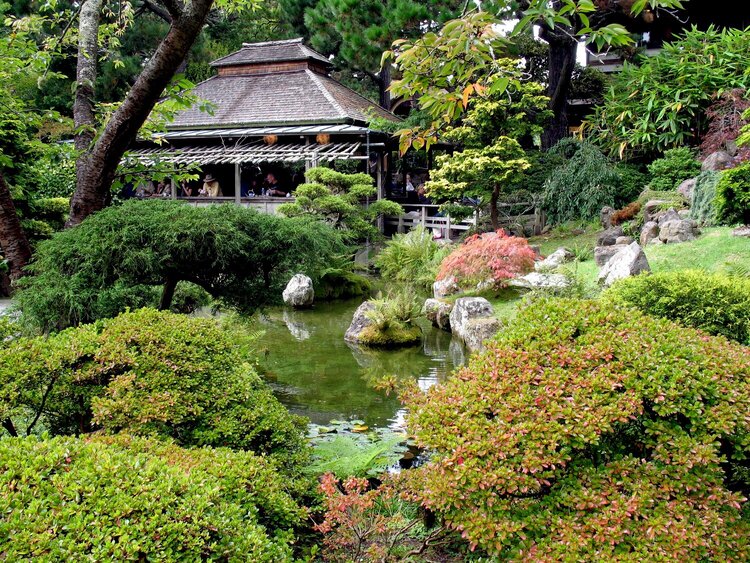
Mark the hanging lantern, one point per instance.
(323, 138)
(270, 139)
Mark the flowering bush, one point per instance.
(488, 256)
(590, 434)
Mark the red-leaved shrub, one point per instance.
(489, 256)
(626, 213)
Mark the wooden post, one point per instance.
(448, 217)
(424, 216)
(237, 183)
(174, 188)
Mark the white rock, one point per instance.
(443, 288)
(535, 280)
(467, 309)
(359, 322)
(602, 254)
(299, 292)
(629, 261)
(554, 260)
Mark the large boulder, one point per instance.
(738, 232)
(299, 292)
(438, 313)
(468, 309)
(687, 188)
(666, 216)
(605, 217)
(717, 161)
(630, 261)
(445, 287)
(609, 236)
(680, 230)
(554, 260)
(649, 232)
(478, 330)
(359, 322)
(602, 254)
(536, 280)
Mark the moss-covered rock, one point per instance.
(392, 337)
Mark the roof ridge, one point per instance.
(326, 93)
(276, 42)
(369, 101)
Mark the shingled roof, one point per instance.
(271, 52)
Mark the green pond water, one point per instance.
(316, 374)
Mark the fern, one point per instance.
(412, 258)
(346, 456)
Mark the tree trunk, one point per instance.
(167, 293)
(98, 166)
(384, 82)
(562, 59)
(13, 241)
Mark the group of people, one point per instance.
(412, 188)
(254, 186)
(150, 188)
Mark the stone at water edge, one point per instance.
(479, 330)
(602, 254)
(466, 309)
(741, 231)
(630, 261)
(443, 288)
(359, 322)
(610, 236)
(649, 232)
(299, 292)
(681, 230)
(554, 260)
(438, 313)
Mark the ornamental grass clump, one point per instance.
(494, 257)
(592, 434)
(412, 258)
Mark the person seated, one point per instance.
(272, 186)
(211, 187)
(144, 189)
(186, 190)
(422, 195)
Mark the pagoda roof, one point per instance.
(272, 52)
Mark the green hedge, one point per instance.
(134, 499)
(716, 303)
(733, 196)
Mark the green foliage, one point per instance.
(51, 173)
(128, 498)
(412, 258)
(336, 198)
(580, 187)
(676, 166)
(341, 284)
(118, 258)
(716, 303)
(632, 182)
(583, 420)
(148, 373)
(704, 194)
(732, 201)
(392, 321)
(661, 103)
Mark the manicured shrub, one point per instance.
(487, 257)
(590, 433)
(716, 303)
(412, 258)
(125, 498)
(626, 213)
(676, 166)
(123, 256)
(148, 373)
(584, 184)
(733, 196)
(704, 194)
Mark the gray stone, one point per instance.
(623, 240)
(438, 313)
(602, 254)
(630, 261)
(680, 230)
(466, 309)
(717, 161)
(443, 288)
(554, 260)
(535, 280)
(359, 322)
(741, 232)
(609, 236)
(605, 217)
(299, 292)
(649, 232)
(666, 216)
(684, 213)
(687, 188)
(651, 209)
(479, 330)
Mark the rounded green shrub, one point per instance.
(587, 433)
(133, 499)
(149, 373)
(714, 302)
(733, 196)
(676, 166)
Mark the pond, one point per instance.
(315, 373)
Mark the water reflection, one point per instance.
(316, 374)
